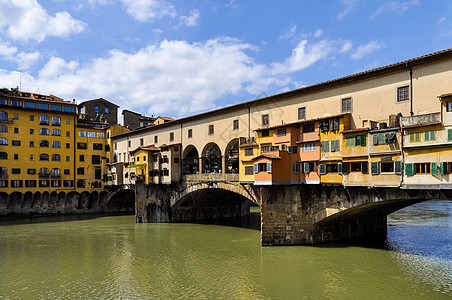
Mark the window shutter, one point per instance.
(398, 167)
(345, 168)
(306, 167)
(339, 168)
(363, 140)
(449, 135)
(443, 168)
(375, 138)
(350, 142)
(375, 168)
(409, 170)
(365, 167)
(314, 167)
(269, 167)
(322, 169)
(256, 168)
(433, 168)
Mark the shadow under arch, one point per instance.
(211, 158)
(190, 160)
(210, 204)
(231, 157)
(123, 201)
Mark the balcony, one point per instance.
(247, 141)
(421, 120)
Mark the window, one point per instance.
(55, 183)
(357, 140)
(308, 167)
(3, 141)
(292, 149)
(44, 157)
(116, 146)
(308, 127)
(82, 146)
(96, 109)
(15, 103)
(248, 151)
(387, 167)
(356, 166)
(91, 134)
(281, 132)
(16, 116)
(16, 143)
(31, 171)
(44, 144)
(81, 157)
(449, 106)
(67, 172)
(262, 167)
(130, 144)
(100, 135)
(248, 170)
(32, 144)
(429, 135)
(32, 118)
(30, 183)
(301, 114)
(56, 107)
(324, 126)
(235, 125)
(325, 146)
(82, 133)
(69, 109)
(32, 131)
(32, 157)
(210, 129)
(16, 130)
(403, 93)
(81, 183)
(15, 171)
(3, 102)
(56, 132)
(265, 132)
(156, 138)
(68, 134)
(16, 183)
(346, 104)
(3, 155)
(56, 157)
(335, 146)
(98, 173)
(309, 147)
(3, 116)
(384, 138)
(265, 120)
(43, 183)
(68, 121)
(3, 128)
(16, 156)
(56, 121)
(43, 106)
(422, 168)
(44, 131)
(55, 173)
(3, 172)
(80, 171)
(141, 142)
(415, 137)
(96, 159)
(295, 168)
(68, 183)
(97, 146)
(171, 136)
(334, 124)
(106, 110)
(68, 158)
(44, 120)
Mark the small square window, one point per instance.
(346, 105)
(81, 157)
(32, 157)
(403, 93)
(32, 118)
(16, 130)
(265, 120)
(67, 172)
(16, 156)
(32, 131)
(68, 158)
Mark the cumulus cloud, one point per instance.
(145, 10)
(191, 19)
(393, 6)
(347, 46)
(24, 60)
(367, 49)
(26, 20)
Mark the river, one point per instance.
(98, 257)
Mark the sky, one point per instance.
(177, 58)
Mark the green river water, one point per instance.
(87, 257)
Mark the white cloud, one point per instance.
(318, 33)
(26, 60)
(6, 49)
(367, 49)
(26, 20)
(192, 19)
(394, 6)
(289, 33)
(347, 46)
(348, 7)
(145, 10)
(57, 67)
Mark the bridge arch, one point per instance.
(190, 160)
(211, 158)
(123, 200)
(231, 157)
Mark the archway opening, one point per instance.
(211, 159)
(190, 162)
(122, 201)
(231, 158)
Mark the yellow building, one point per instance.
(248, 150)
(37, 143)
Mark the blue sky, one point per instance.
(177, 58)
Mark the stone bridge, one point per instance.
(290, 214)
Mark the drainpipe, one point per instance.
(411, 88)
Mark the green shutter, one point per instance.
(433, 168)
(322, 169)
(409, 170)
(449, 135)
(363, 140)
(375, 167)
(398, 167)
(339, 168)
(350, 142)
(443, 168)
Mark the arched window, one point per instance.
(3, 116)
(56, 144)
(43, 131)
(44, 144)
(3, 155)
(56, 157)
(80, 183)
(55, 173)
(43, 172)
(56, 121)
(56, 132)
(3, 141)
(3, 128)
(43, 156)
(44, 120)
